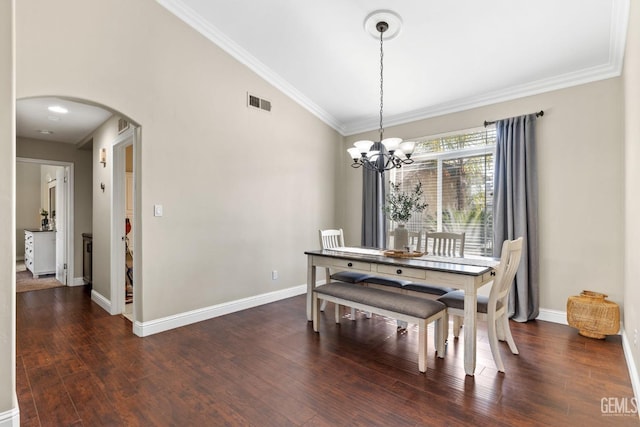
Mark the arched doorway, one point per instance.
(94, 139)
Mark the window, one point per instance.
(456, 172)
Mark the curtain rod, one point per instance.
(538, 114)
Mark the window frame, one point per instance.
(442, 156)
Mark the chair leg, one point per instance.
(457, 325)
(337, 312)
(504, 321)
(353, 313)
(445, 326)
(493, 342)
(439, 334)
(422, 345)
(315, 306)
(323, 305)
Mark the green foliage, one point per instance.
(44, 213)
(401, 205)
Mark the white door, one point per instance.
(61, 225)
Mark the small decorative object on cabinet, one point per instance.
(40, 252)
(593, 315)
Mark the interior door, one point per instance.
(61, 225)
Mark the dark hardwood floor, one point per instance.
(76, 365)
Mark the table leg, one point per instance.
(311, 285)
(470, 308)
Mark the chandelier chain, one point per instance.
(381, 85)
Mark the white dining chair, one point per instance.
(445, 244)
(440, 244)
(492, 309)
(334, 238)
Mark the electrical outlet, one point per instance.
(274, 275)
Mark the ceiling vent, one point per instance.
(255, 102)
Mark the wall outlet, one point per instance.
(274, 275)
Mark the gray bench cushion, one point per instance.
(397, 303)
(455, 299)
(350, 276)
(386, 281)
(428, 289)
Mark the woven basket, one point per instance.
(593, 315)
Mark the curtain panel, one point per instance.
(373, 194)
(515, 208)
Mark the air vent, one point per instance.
(255, 102)
(122, 125)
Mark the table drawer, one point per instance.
(412, 273)
(347, 264)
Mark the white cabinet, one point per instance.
(40, 252)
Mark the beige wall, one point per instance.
(101, 276)
(8, 402)
(243, 191)
(82, 165)
(631, 78)
(581, 182)
(27, 201)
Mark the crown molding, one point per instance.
(612, 68)
(194, 20)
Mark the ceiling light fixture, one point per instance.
(58, 109)
(45, 131)
(394, 152)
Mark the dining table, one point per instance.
(467, 273)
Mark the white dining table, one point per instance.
(468, 273)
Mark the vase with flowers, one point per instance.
(45, 219)
(399, 207)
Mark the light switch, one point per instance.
(157, 210)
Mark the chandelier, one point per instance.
(394, 152)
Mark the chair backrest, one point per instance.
(415, 239)
(445, 244)
(331, 239)
(506, 271)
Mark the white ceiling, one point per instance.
(33, 117)
(449, 56)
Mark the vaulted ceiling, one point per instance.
(448, 55)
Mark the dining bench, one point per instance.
(408, 308)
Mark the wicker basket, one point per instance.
(593, 315)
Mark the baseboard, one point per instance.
(103, 302)
(631, 366)
(143, 329)
(553, 316)
(10, 418)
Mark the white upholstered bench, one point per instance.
(410, 309)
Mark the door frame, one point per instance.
(70, 204)
(118, 204)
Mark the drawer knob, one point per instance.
(350, 264)
(398, 271)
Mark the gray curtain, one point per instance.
(373, 229)
(515, 208)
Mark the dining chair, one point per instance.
(334, 238)
(492, 309)
(445, 244)
(442, 244)
(415, 239)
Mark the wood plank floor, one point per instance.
(78, 366)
